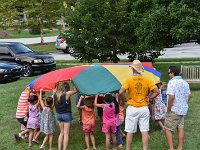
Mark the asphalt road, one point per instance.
(186, 50)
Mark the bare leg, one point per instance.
(66, 135)
(160, 124)
(37, 134)
(129, 137)
(145, 140)
(107, 141)
(114, 141)
(61, 135)
(50, 141)
(169, 137)
(30, 138)
(87, 140)
(45, 139)
(25, 131)
(180, 138)
(92, 140)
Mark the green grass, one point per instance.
(44, 48)
(9, 126)
(176, 59)
(25, 34)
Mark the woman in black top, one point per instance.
(63, 112)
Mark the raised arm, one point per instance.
(79, 102)
(70, 93)
(95, 102)
(40, 98)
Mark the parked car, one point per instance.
(31, 61)
(10, 71)
(62, 45)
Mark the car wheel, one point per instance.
(66, 50)
(28, 70)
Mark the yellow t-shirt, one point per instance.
(138, 88)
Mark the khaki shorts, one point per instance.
(173, 121)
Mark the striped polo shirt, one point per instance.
(22, 107)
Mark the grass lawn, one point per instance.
(8, 34)
(10, 93)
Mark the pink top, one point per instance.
(88, 115)
(22, 107)
(109, 115)
(121, 112)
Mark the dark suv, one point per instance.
(31, 61)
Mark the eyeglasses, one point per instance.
(169, 72)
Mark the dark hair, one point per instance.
(49, 101)
(175, 70)
(109, 99)
(66, 86)
(89, 102)
(158, 85)
(32, 99)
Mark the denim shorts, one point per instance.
(66, 117)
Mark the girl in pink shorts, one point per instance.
(110, 109)
(88, 119)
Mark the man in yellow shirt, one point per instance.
(140, 90)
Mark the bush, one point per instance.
(34, 30)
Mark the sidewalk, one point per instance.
(31, 40)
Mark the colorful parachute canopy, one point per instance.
(93, 79)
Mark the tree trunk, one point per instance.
(41, 35)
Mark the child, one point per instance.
(122, 103)
(110, 109)
(88, 119)
(33, 120)
(163, 88)
(159, 109)
(48, 121)
(118, 123)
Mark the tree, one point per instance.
(39, 13)
(98, 29)
(42, 13)
(10, 14)
(101, 29)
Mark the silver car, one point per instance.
(62, 45)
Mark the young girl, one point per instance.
(159, 109)
(110, 109)
(33, 120)
(163, 88)
(122, 103)
(48, 122)
(88, 119)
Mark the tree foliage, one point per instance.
(101, 29)
(31, 13)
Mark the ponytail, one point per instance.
(116, 105)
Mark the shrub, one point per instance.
(34, 30)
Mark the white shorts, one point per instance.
(137, 116)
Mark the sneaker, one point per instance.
(17, 138)
(42, 147)
(35, 140)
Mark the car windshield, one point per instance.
(20, 49)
